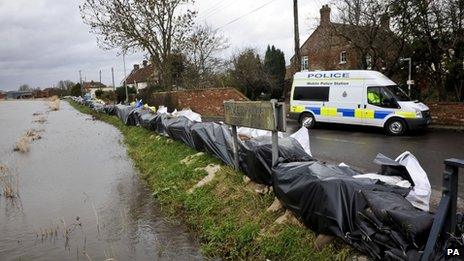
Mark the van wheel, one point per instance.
(395, 127)
(307, 120)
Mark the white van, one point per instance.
(361, 97)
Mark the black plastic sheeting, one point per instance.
(110, 109)
(374, 217)
(159, 124)
(135, 116)
(145, 120)
(179, 128)
(123, 112)
(255, 156)
(215, 139)
(389, 167)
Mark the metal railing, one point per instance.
(445, 218)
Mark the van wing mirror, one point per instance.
(391, 103)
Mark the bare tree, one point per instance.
(366, 25)
(24, 87)
(435, 32)
(154, 26)
(201, 49)
(65, 85)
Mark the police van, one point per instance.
(359, 97)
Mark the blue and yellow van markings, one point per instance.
(352, 113)
(315, 110)
(346, 112)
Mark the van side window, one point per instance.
(309, 93)
(379, 96)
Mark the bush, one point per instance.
(76, 90)
(121, 93)
(99, 93)
(109, 96)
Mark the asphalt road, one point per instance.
(358, 146)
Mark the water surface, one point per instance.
(79, 195)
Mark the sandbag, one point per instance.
(145, 120)
(215, 139)
(255, 156)
(158, 124)
(110, 109)
(178, 128)
(123, 111)
(408, 167)
(325, 196)
(135, 116)
(330, 201)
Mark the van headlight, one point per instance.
(418, 113)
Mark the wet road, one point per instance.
(358, 146)
(79, 195)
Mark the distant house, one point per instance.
(2, 95)
(42, 93)
(19, 95)
(91, 87)
(330, 46)
(141, 77)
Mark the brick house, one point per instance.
(337, 46)
(141, 77)
(91, 87)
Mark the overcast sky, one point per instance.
(44, 41)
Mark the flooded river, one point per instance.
(79, 196)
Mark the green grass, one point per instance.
(229, 219)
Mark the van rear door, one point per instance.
(310, 98)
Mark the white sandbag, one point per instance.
(253, 133)
(391, 180)
(162, 110)
(419, 196)
(302, 136)
(189, 114)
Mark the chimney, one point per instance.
(145, 63)
(385, 22)
(325, 15)
(136, 67)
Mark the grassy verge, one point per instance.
(229, 218)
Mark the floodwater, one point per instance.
(79, 195)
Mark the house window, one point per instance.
(305, 63)
(343, 57)
(368, 62)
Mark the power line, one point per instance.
(212, 11)
(223, 7)
(252, 11)
(213, 6)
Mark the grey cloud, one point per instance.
(44, 41)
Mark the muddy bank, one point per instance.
(79, 194)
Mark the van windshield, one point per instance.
(396, 92)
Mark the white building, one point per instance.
(141, 77)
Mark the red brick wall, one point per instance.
(447, 113)
(207, 102)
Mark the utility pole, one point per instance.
(125, 86)
(80, 81)
(297, 57)
(410, 82)
(100, 79)
(112, 77)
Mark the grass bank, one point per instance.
(228, 217)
